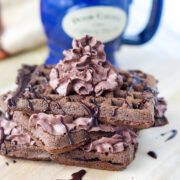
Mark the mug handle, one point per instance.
(150, 28)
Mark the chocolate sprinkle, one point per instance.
(78, 175)
(173, 133)
(152, 154)
(7, 164)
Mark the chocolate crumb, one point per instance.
(7, 164)
(14, 161)
(78, 175)
(152, 154)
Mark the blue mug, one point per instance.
(64, 20)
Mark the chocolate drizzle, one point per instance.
(22, 81)
(160, 121)
(172, 133)
(8, 114)
(42, 74)
(78, 175)
(137, 80)
(31, 89)
(38, 95)
(2, 135)
(11, 102)
(151, 90)
(48, 103)
(30, 105)
(152, 154)
(93, 113)
(160, 108)
(68, 133)
(114, 112)
(139, 83)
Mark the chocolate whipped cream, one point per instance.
(85, 70)
(10, 132)
(54, 124)
(114, 144)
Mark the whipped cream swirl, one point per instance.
(9, 131)
(115, 144)
(59, 124)
(85, 70)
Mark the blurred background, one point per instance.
(21, 31)
(22, 25)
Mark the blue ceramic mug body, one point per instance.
(64, 20)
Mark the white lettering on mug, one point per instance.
(106, 23)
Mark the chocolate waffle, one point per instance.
(107, 153)
(112, 152)
(131, 105)
(61, 141)
(17, 143)
(82, 110)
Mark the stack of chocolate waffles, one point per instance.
(82, 111)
